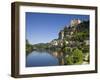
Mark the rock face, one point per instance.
(61, 34)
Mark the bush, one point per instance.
(68, 60)
(76, 57)
(66, 50)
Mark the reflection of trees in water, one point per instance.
(60, 56)
(57, 54)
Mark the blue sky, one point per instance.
(44, 27)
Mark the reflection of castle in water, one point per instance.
(59, 56)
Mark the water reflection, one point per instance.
(44, 58)
(60, 57)
(37, 58)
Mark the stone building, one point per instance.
(54, 42)
(75, 22)
(61, 34)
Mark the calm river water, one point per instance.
(36, 58)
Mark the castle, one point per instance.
(73, 23)
(66, 32)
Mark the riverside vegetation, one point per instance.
(72, 44)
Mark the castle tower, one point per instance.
(61, 34)
(75, 22)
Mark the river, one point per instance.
(37, 58)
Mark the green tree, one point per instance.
(69, 60)
(76, 57)
(66, 50)
(29, 47)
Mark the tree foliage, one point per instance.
(75, 58)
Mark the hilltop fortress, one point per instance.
(67, 33)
